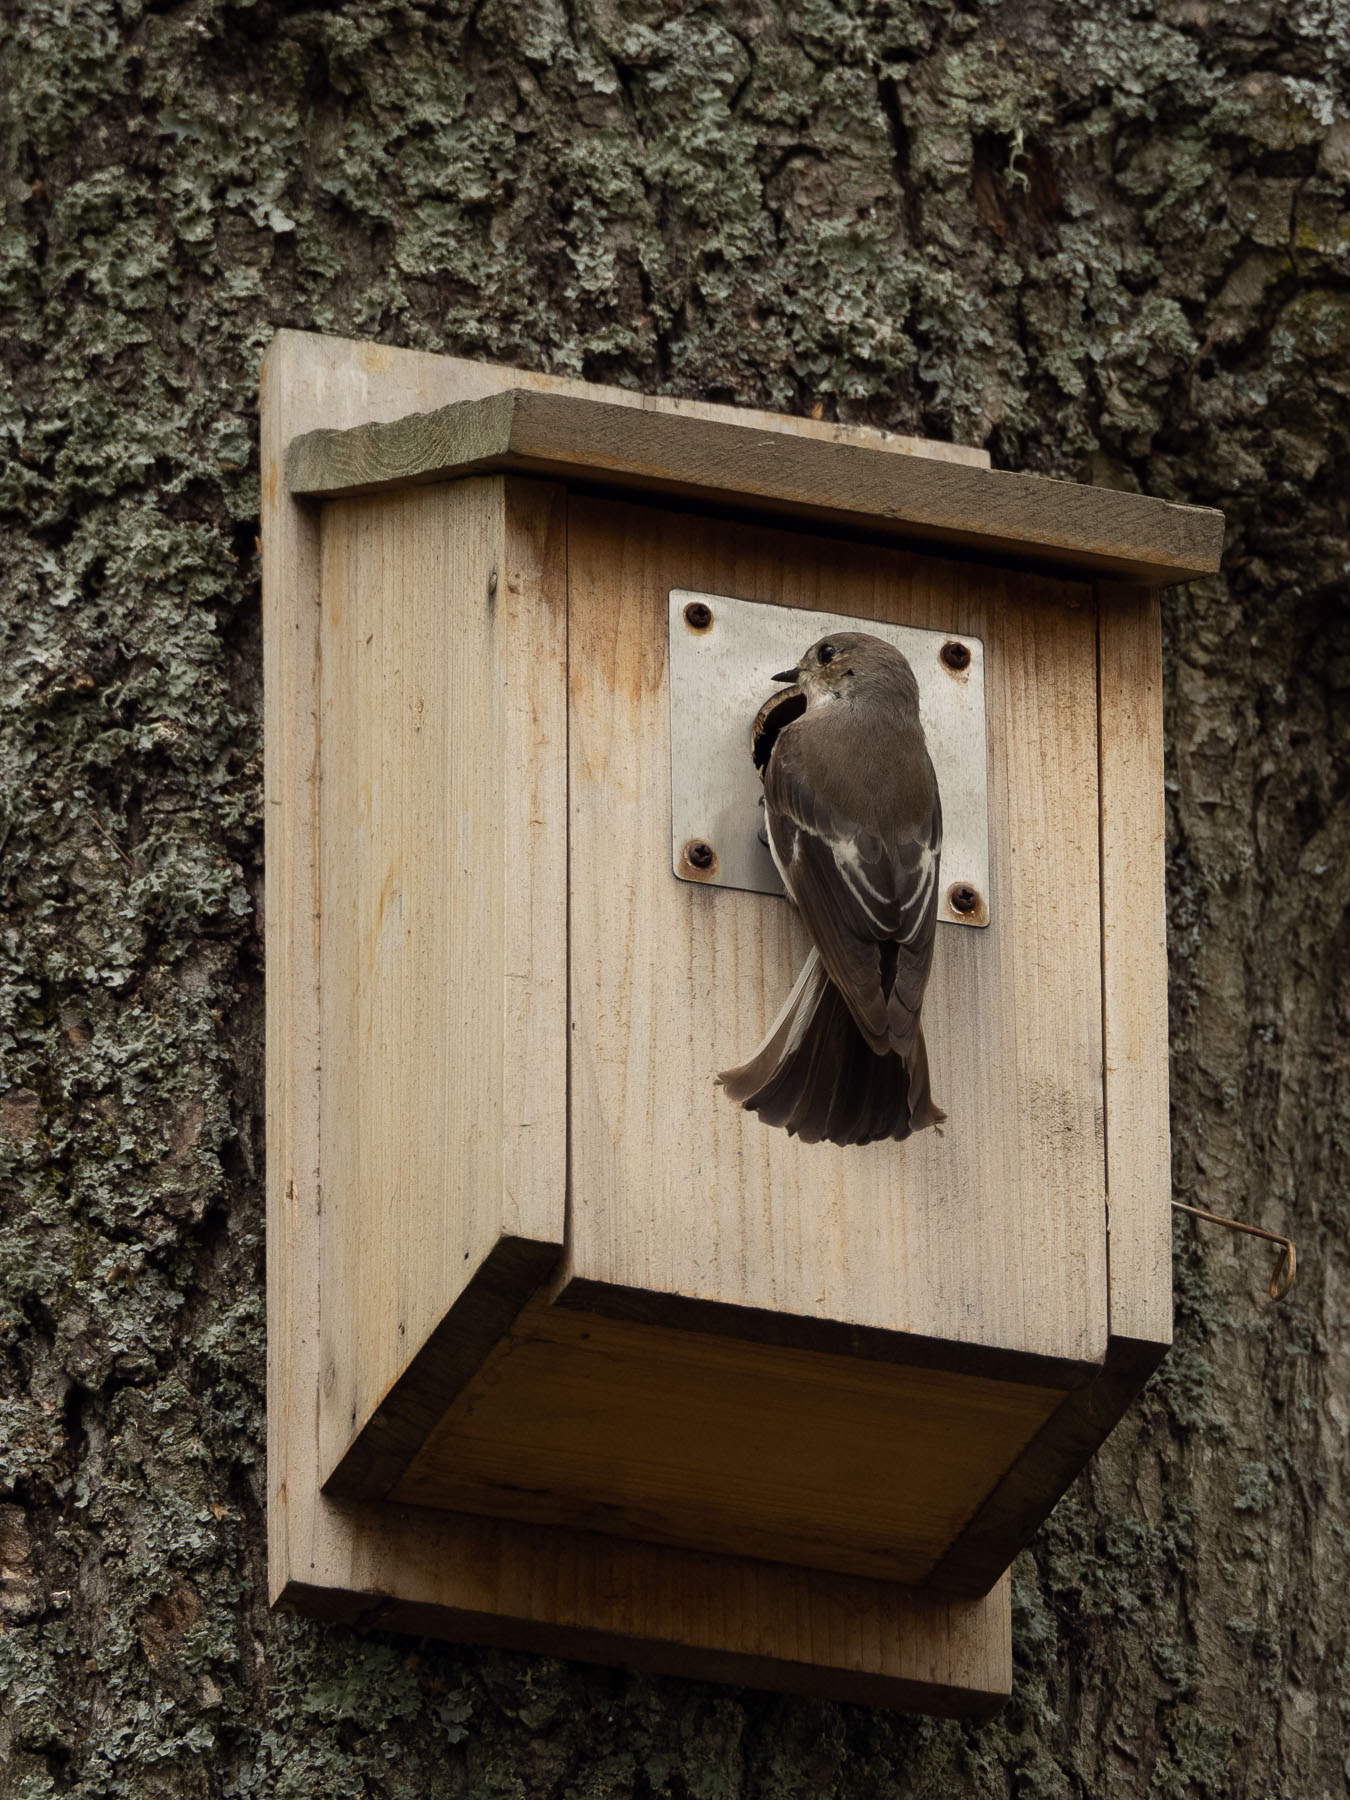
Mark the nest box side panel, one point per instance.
(982, 1249)
(1134, 969)
(441, 971)
(307, 381)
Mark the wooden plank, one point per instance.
(566, 1594)
(1138, 1159)
(390, 382)
(442, 831)
(1041, 1476)
(990, 512)
(680, 1612)
(1134, 967)
(530, 646)
(681, 1437)
(982, 1248)
(307, 381)
(290, 567)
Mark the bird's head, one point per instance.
(849, 663)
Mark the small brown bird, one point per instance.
(855, 826)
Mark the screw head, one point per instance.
(699, 855)
(698, 615)
(955, 656)
(963, 899)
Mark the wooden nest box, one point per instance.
(568, 1352)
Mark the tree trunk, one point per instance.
(1110, 241)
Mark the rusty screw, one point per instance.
(963, 899)
(698, 617)
(699, 855)
(956, 657)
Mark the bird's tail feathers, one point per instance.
(783, 1040)
(817, 1076)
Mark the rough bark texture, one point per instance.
(1107, 237)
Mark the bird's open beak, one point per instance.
(788, 675)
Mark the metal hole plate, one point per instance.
(721, 671)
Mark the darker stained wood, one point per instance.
(402, 1422)
(1044, 1472)
(1023, 520)
(1001, 1527)
(831, 1337)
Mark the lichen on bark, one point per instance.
(1110, 240)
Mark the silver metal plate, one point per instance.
(722, 671)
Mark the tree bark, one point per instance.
(1109, 240)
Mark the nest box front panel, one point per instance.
(982, 1248)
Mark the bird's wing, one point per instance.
(858, 892)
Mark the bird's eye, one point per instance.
(825, 653)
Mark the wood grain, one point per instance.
(1138, 1162)
(983, 1247)
(679, 1612)
(560, 1592)
(442, 831)
(1134, 967)
(387, 379)
(681, 1437)
(307, 381)
(1018, 1505)
(989, 512)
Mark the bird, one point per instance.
(854, 824)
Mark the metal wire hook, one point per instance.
(1282, 1276)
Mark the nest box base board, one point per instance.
(828, 1462)
(645, 1606)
